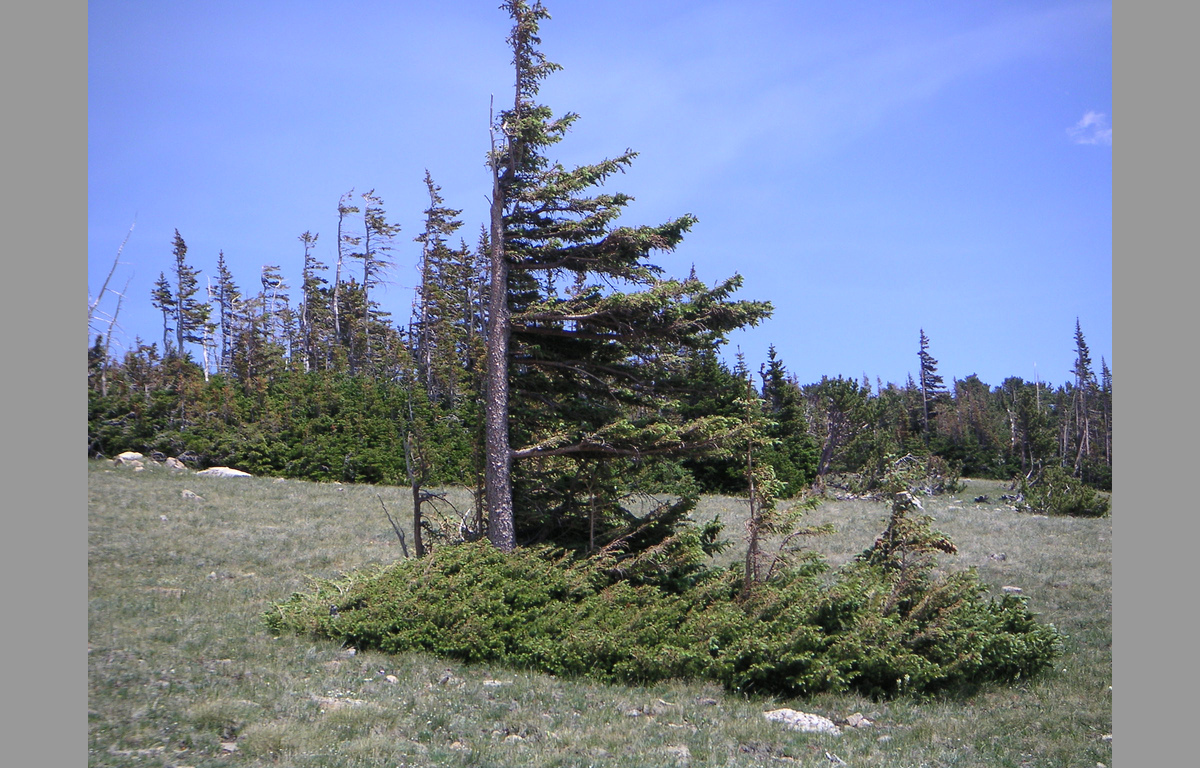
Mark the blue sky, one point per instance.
(871, 168)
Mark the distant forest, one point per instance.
(327, 387)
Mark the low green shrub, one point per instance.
(885, 626)
(1055, 492)
(923, 475)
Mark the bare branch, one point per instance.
(111, 271)
(396, 528)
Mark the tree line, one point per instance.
(550, 366)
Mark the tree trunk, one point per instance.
(498, 469)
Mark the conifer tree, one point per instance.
(932, 386)
(1106, 388)
(1085, 383)
(439, 330)
(163, 299)
(592, 368)
(838, 407)
(346, 241)
(794, 452)
(228, 298)
(314, 304)
(377, 241)
(190, 312)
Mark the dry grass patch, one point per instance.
(178, 679)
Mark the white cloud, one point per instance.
(1092, 128)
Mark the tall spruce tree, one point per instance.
(163, 299)
(228, 298)
(438, 332)
(1081, 400)
(1106, 388)
(794, 452)
(932, 385)
(346, 240)
(314, 304)
(378, 241)
(591, 370)
(190, 312)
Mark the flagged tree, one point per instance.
(932, 385)
(583, 332)
(190, 312)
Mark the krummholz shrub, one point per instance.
(884, 627)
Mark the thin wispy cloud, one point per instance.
(1092, 128)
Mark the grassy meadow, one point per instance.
(182, 672)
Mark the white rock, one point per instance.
(128, 456)
(803, 721)
(174, 463)
(224, 472)
(857, 720)
(191, 495)
(1012, 590)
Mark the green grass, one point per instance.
(182, 671)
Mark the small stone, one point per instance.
(163, 518)
(857, 720)
(191, 495)
(706, 702)
(680, 752)
(513, 738)
(1000, 556)
(229, 746)
(1012, 590)
(1106, 738)
(391, 678)
(212, 576)
(174, 463)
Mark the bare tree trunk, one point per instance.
(752, 524)
(498, 467)
(108, 340)
(416, 474)
(104, 287)
(343, 209)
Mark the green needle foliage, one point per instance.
(588, 342)
(884, 626)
